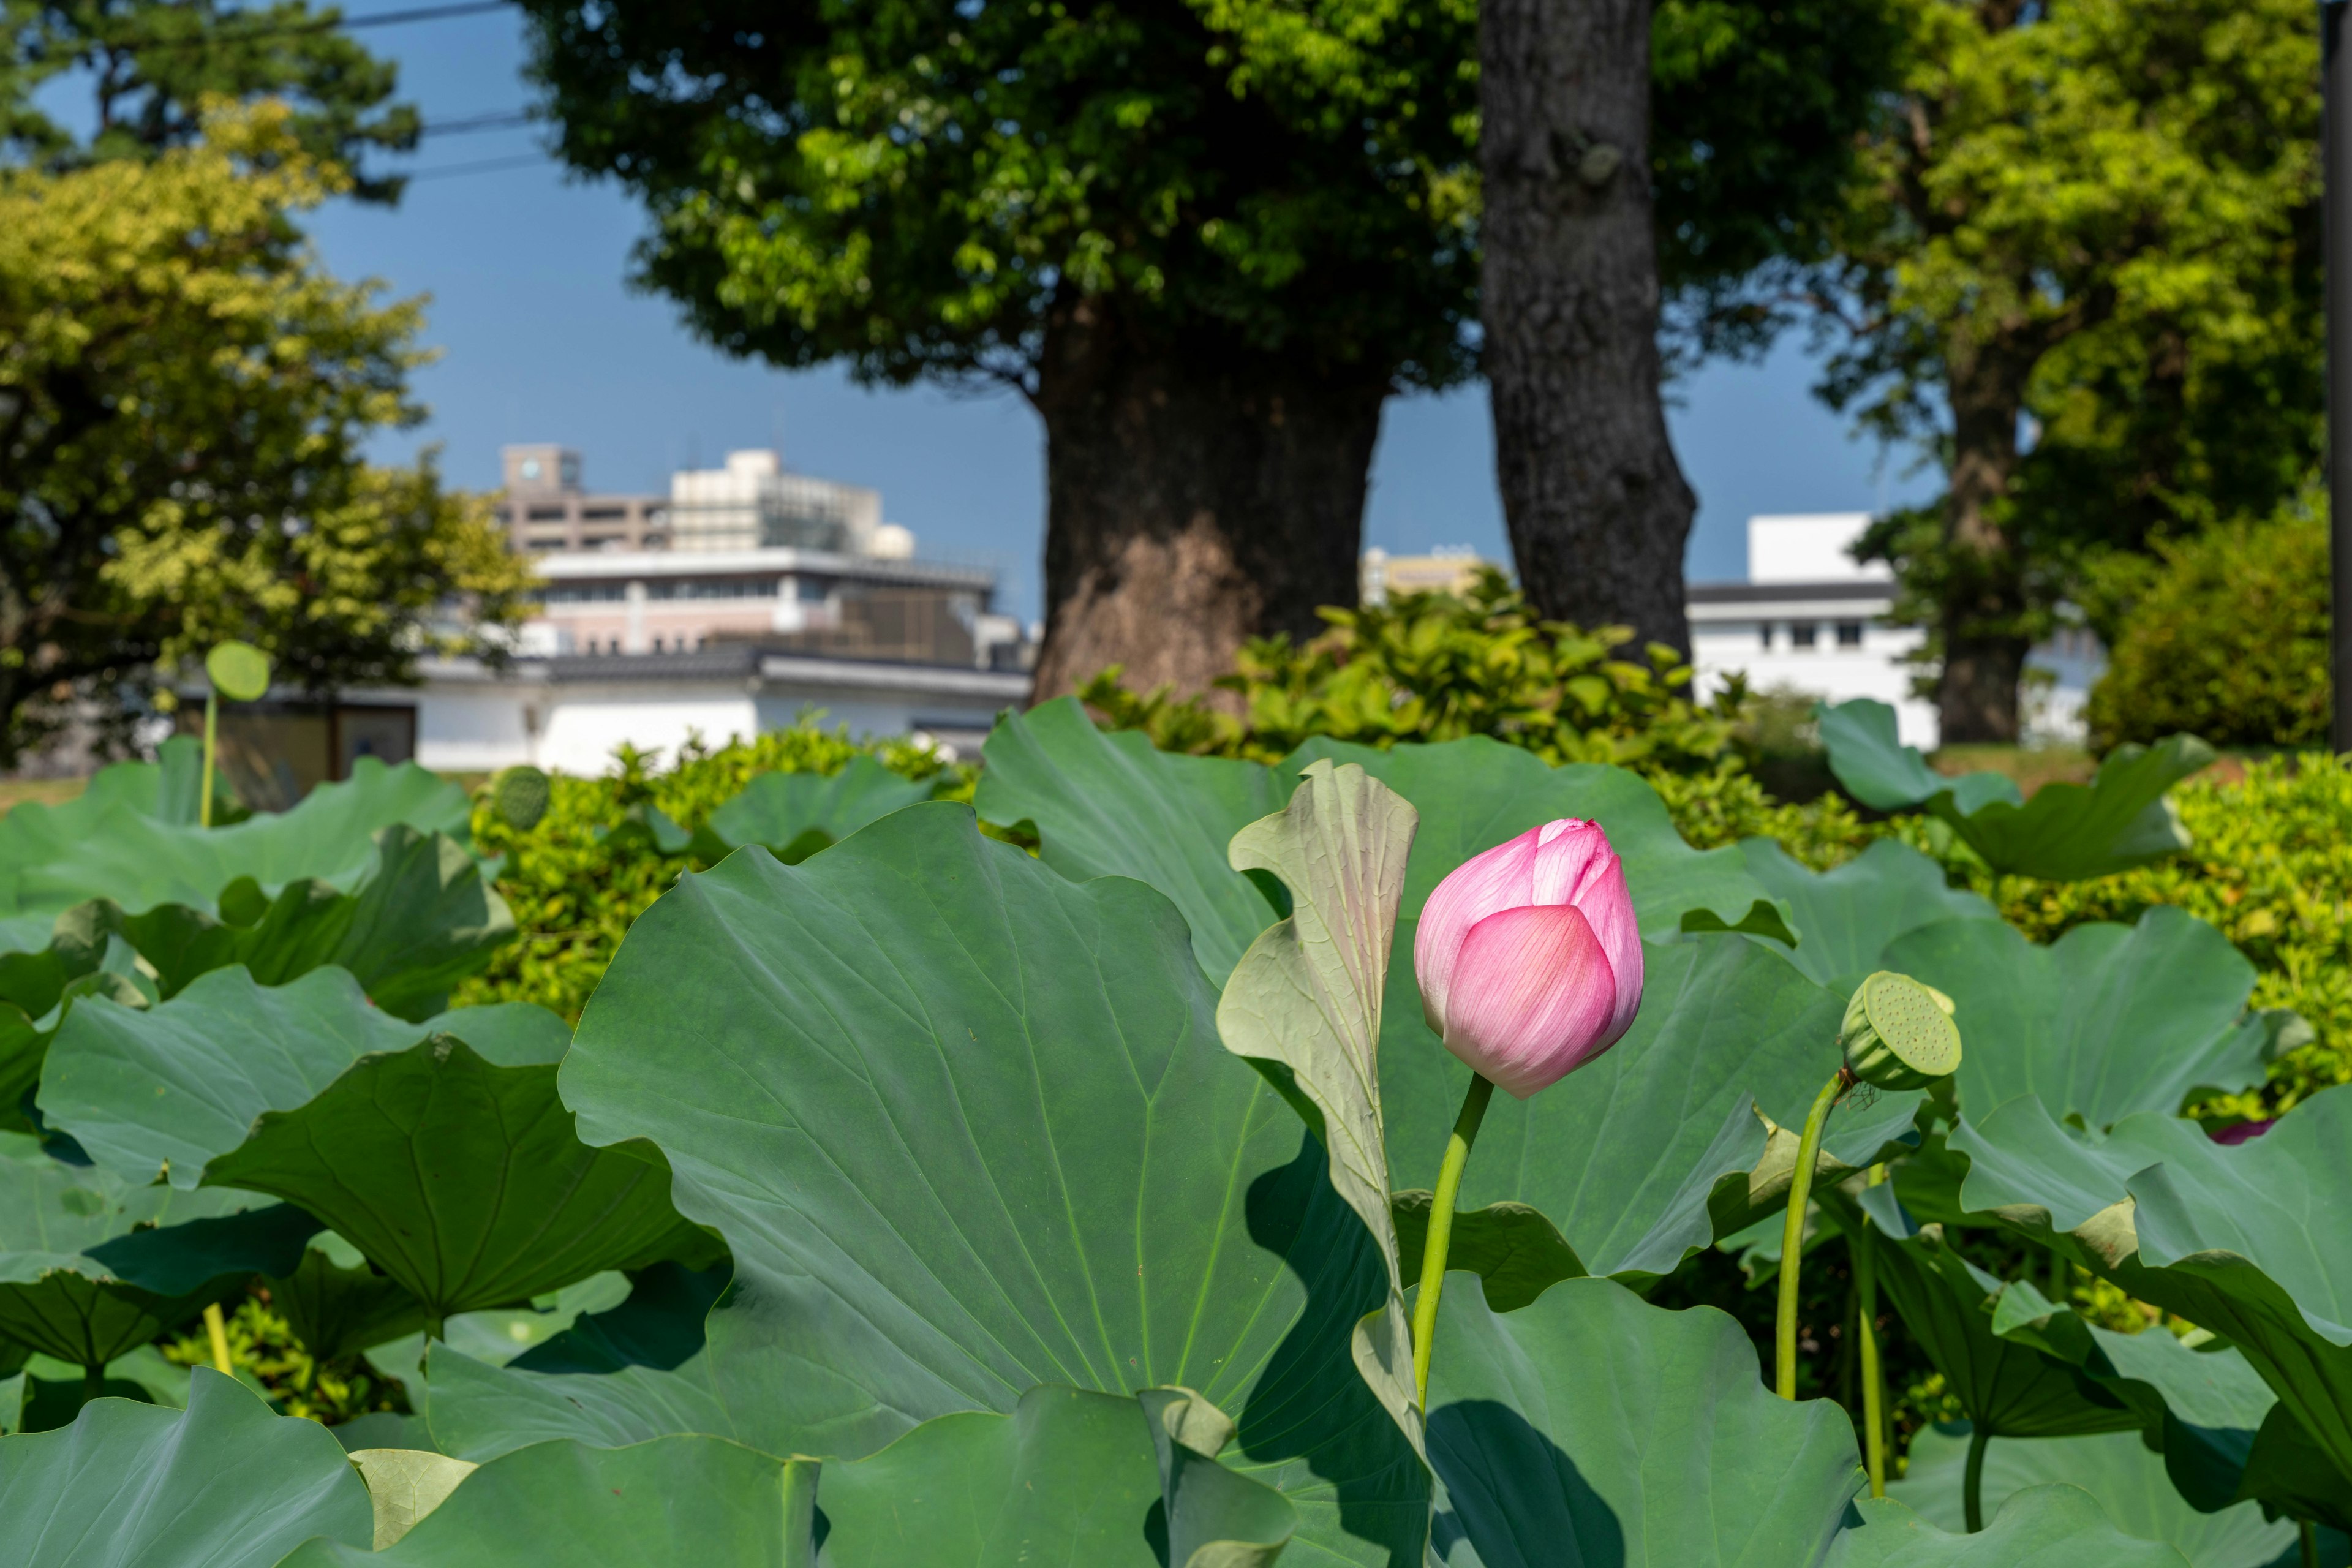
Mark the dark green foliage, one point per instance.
(151, 64)
(2228, 641)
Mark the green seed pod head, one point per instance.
(519, 797)
(240, 671)
(1899, 1033)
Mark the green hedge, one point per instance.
(2227, 641)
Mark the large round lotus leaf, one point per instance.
(2054, 1526)
(2117, 1469)
(1846, 917)
(877, 1073)
(238, 671)
(667, 1503)
(1946, 1305)
(91, 1266)
(461, 1179)
(639, 1370)
(810, 810)
(1592, 1428)
(2253, 1242)
(2106, 1021)
(224, 1484)
(53, 858)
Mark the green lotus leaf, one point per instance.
(2106, 1021)
(1882, 773)
(1656, 1149)
(2056, 1526)
(47, 952)
(1212, 1516)
(1514, 1248)
(638, 1371)
(91, 1266)
(1307, 996)
(681, 1499)
(1109, 804)
(404, 1485)
(108, 845)
(423, 920)
(2009, 1388)
(1594, 1427)
(2071, 832)
(165, 1089)
(1844, 918)
(223, 1484)
(461, 1178)
(2252, 1242)
(797, 814)
(2201, 1407)
(1069, 1476)
(339, 1306)
(967, 1128)
(2117, 1468)
(164, 791)
(2065, 833)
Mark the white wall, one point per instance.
(1810, 547)
(581, 724)
(464, 732)
(1824, 670)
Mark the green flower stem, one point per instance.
(215, 1326)
(1440, 1228)
(212, 726)
(800, 1512)
(1874, 1378)
(2310, 1534)
(1792, 1235)
(216, 1329)
(93, 1382)
(1972, 1482)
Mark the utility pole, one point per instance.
(2336, 148)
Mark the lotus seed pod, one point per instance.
(240, 671)
(519, 797)
(1899, 1033)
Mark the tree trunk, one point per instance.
(1596, 503)
(1984, 650)
(1195, 499)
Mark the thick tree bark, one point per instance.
(1596, 504)
(1984, 656)
(1195, 499)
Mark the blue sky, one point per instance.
(541, 340)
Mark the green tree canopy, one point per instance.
(2083, 268)
(151, 64)
(1200, 236)
(184, 399)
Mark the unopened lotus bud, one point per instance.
(1899, 1033)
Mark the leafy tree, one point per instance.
(1204, 239)
(184, 399)
(151, 66)
(2098, 217)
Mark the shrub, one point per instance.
(2228, 641)
(579, 876)
(1432, 667)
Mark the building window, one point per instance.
(657, 645)
(1764, 635)
(1849, 634)
(1803, 633)
(546, 514)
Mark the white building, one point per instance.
(1811, 618)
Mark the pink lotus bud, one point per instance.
(1529, 959)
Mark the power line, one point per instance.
(484, 166)
(318, 25)
(505, 119)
